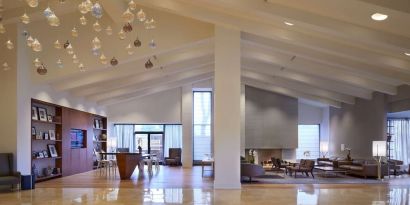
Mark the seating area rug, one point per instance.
(320, 178)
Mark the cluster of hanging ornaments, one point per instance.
(52, 19)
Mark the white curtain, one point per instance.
(400, 130)
(125, 136)
(173, 138)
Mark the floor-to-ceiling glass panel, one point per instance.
(141, 140)
(156, 145)
(202, 124)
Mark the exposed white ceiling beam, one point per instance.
(150, 91)
(300, 87)
(274, 70)
(102, 87)
(309, 67)
(133, 66)
(388, 75)
(288, 92)
(150, 83)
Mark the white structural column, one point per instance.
(227, 112)
(187, 123)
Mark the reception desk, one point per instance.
(126, 163)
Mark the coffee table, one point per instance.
(333, 170)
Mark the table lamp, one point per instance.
(379, 151)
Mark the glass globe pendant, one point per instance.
(25, 18)
(6, 66)
(122, 35)
(48, 12)
(97, 10)
(103, 59)
(114, 61)
(74, 32)
(129, 49)
(141, 15)
(42, 70)
(128, 16)
(60, 63)
(132, 5)
(75, 59)
(88, 5)
(30, 41)
(97, 26)
(137, 43)
(53, 20)
(36, 62)
(152, 44)
(9, 45)
(108, 30)
(82, 7)
(57, 45)
(32, 3)
(96, 43)
(36, 46)
(81, 67)
(83, 21)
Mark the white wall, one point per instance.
(309, 114)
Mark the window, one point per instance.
(308, 142)
(202, 124)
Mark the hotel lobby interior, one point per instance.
(204, 102)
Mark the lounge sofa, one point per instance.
(364, 168)
(7, 175)
(331, 162)
(251, 170)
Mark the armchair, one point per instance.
(305, 166)
(7, 175)
(174, 157)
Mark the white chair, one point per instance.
(102, 163)
(149, 164)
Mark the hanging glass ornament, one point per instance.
(75, 59)
(148, 64)
(57, 44)
(29, 41)
(81, 67)
(132, 5)
(2, 28)
(114, 61)
(60, 63)
(25, 33)
(74, 32)
(36, 62)
(128, 16)
(48, 12)
(96, 43)
(129, 49)
(9, 45)
(108, 30)
(88, 5)
(36, 46)
(70, 49)
(25, 18)
(82, 7)
(137, 43)
(97, 10)
(152, 44)
(103, 59)
(95, 51)
(122, 35)
(83, 21)
(97, 26)
(32, 3)
(42, 70)
(66, 44)
(6, 66)
(141, 15)
(149, 24)
(53, 20)
(127, 28)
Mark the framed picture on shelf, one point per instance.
(42, 114)
(45, 153)
(40, 155)
(52, 149)
(52, 134)
(33, 131)
(49, 118)
(34, 113)
(46, 136)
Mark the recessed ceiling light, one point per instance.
(407, 54)
(379, 16)
(288, 23)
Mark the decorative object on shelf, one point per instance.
(39, 135)
(49, 118)
(2, 28)
(52, 134)
(36, 45)
(32, 3)
(83, 21)
(34, 113)
(48, 171)
(45, 136)
(152, 44)
(103, 59)
(379, 152)
(103, 137)
(42, 70)
(25, 18)
(137, 43)
(6, 66)
(42, 113)
(9, 45)
(33, 131)
(45, 153)
(128, 16)
(108, 30)
(122, 35)
(141, 15)
(148, 64)
(97, 10)
(40, 155)
(60, 63)
(52, 149)
(129, 49)
(127, 28)
(114, 61)
(132, 5)
(97, 27)
(74, 32)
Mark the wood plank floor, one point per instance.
(176, 185)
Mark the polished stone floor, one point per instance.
(186, 186)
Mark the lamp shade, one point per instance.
(379, 148)
(324, 147)
(342, 147)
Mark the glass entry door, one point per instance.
(151, 143)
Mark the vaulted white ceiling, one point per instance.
(333, 53)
